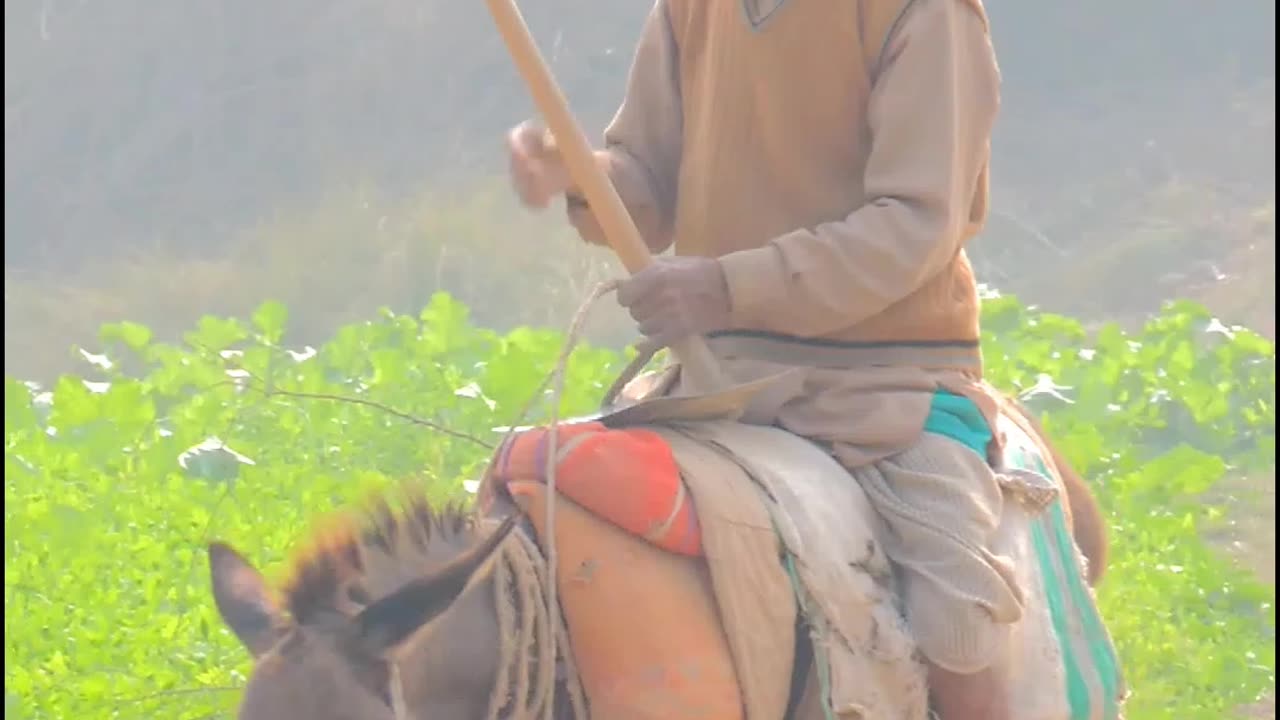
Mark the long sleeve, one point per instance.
(643, 141)
(930, 114)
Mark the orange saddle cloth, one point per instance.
(628, 477)
(642, 616)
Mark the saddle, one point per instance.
(681, 579)
(687, 544)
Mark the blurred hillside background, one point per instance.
(168, 160)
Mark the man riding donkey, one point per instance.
(817, 168)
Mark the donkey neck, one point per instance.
(449, 668)
(491, 654)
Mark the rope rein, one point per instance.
(532, 631)
(552, 609)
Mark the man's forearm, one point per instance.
(643, 142)
(635, 189)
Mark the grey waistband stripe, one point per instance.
(787, 351)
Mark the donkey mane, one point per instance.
(332, 559)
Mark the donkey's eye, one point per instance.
(357, 594)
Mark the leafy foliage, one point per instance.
(115, 479)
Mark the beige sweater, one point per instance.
(835, 161)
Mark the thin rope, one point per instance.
(818, 633)
(540, 620)
(572, 336)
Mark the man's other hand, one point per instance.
(677, 297)
(537, 170)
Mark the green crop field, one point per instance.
(116, 478)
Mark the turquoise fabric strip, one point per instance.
(958, 418)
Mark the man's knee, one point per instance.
(952, 628)
(979, 695)
(963, 646)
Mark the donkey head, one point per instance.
(320, 662)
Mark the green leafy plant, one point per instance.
(115, 479)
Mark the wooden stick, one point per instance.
(698, 365)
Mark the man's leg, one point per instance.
(975, 696)
(941, 503)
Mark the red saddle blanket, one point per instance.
(628, 477)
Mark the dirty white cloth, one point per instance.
(768, 499)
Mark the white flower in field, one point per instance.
(211, 459)
(307, 353)
(472, 390)
(987, 292)
(239, 378)
(1215, 327)
(471, 486)
(1046, 385)
(95, 359)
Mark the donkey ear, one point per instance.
(242, 599)
(392, 619)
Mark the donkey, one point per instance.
(417, 590)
